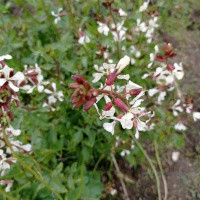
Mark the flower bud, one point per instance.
(73, 85)
(135, 92)
(111, 78)
(121, 105)
(170, 67)
(108, 106)
(78, 78)
(159, 58)
(89, 104)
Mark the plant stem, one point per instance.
(74, 25)
(113, 93)
(72, 17)
(150, 163)
(120, 177)
(117, 42)
(81, 187)
(24, 164)
(161, 170)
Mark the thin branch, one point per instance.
(161, 170)
(120, 178)
(150, 163)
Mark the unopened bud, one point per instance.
(108, 106)
(73, 85)
(89, 104)
(121, 105)
(170, 67)
(111, 78)
(135, 92)
(78, 78)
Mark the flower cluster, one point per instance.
(125, 99)
(117, 29)
(10, 85)
(147, 28)
(166, 77)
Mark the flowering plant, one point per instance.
(51, 149)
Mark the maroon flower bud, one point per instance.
(78, 78)
(170, 67)
(108, 106)
(107, 23)
(121, 105)
(89, 104)
(34, 80)
(73, 85)
(11, 115)
(22, 83)
(115, 9)
(87, 86)
(159, 58)
(17, 102)
(111, 78)
(168, 50)
(135, 92)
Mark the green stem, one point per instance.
(117, 43)
(24, 164)
(161, 169)
(81, 187)
(98, 161)
(6, 195)
(72, 17)
(74, 25)
(150, 163)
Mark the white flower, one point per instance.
(161, 96)
(39, 78)
(153, 56)
(110, 127)
(180, 127)
(5, 57)
(59, 95)
(144, 6)
(57, 16)
(103, 28)
(175, 156)
(141, 26)
(125, 152)
(13, 81)
(153, 91)
(113, 192)
(13, 131)
(176, 73)
(83, 38)
(123, 62)
(9, 184)
(127, 121)
(119, 35)
(177, 108)
(196, 116)
(122, 13)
